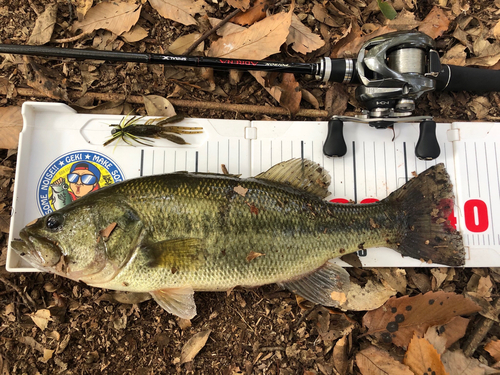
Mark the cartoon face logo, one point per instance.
(74, 175)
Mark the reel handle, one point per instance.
(335, 143)
(427, 147)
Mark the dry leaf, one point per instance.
(46, 81)
(399, 318)
(240, 4)
(44, 26)
(290, 93)
(321, 14)
(227, 28)
(310, 98)
(393, 277)
(257, 42)
(47, 354)
(369, 297)
(183, 323)
(181, 11)
(493, 347)
(274, 91)
(252, 255)
(11, 124)
(252, 15)
(336, 99)
(374, 361)
(455, 55)
(457, 363)
(435, 24)
(443, 336)
(106, 232)
(82, 7)
(117, 17)
(405, 20)
(332, 325)
(439, 276)
(422, 358)
(180, 45)
(193, 346)
(301, 38)
(41, 318)
(135, 34)
(340, 355)
(31, 342)
(158, 106)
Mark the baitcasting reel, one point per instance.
(393, 70)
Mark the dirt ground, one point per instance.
(258, 331)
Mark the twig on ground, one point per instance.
(24, 296)
(211, 31)
(482, 328)
(136, 99)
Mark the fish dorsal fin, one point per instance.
(302, 174)
(177, 301)
(327, 286)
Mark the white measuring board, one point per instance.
(377, 162)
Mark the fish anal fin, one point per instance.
(176, 254)
(176, 301)
(327, 286)
(302, 174)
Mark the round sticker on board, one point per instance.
(73, 175)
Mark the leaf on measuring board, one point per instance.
(193, 346)
(399, 318)
(301, 38)
(435, 24)
(493, 347)
(11, 124)
(290, 93)
(227, 28)
(181, 44)
(135, 34)
(256, 13)
(158, 106)
(257, 42)
(368, 297)
(375, 361)
(44, 26)
(117, 17)
(455, 362)
(181, 11)
(387, 9)
(422, 358)
(443, 336)
(240, 4)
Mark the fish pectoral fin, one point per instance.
(177, 301)
(177, 254)
(327, 286)
(302, 174)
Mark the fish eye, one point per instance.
(55, 221)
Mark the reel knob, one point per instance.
(427, 147)
(335, 143)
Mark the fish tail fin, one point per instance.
(425, 204)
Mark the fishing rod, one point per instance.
(392, 71)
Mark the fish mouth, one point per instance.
(37, 250)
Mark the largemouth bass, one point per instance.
(173, 234)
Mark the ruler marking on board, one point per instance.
(489, 193)
(477, 169)
(385, 170)
(467, 169)
(196, 162)
(405, 161)
(354, 171)
(208, 155)
(239, 156)
(364, 169)
(153, 162)
(301, 150)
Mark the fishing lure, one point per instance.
(129, 130)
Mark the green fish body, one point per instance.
(177, 233)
